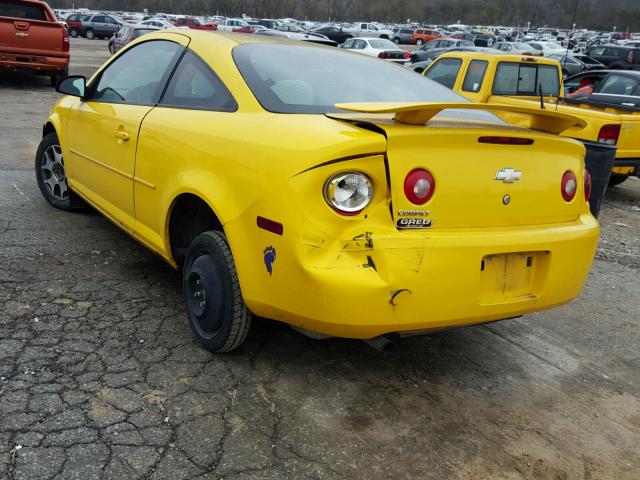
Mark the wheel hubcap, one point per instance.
(205, 296)
(53, 175)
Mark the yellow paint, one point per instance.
(594, 117)
(356, 276)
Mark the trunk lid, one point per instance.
(475, 182)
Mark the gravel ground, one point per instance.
(99, 377)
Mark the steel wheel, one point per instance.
(53, 175)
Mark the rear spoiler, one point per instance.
(420, 113)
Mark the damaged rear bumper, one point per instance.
(371, 284)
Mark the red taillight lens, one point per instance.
(65, 40)
(568, 186)
(587, 185)
(406, 55)
(419, 186)
(609, 134)
(382, 55)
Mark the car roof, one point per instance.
(483, 55)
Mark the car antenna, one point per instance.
(541, 96)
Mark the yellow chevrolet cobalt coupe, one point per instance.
(341, 194)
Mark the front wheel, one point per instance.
(52, 178)
(218, 316)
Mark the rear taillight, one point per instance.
(568, 186)
(383, 55)
(406, 55)
(609, 134)
(506, 140)
(419, 186)
(65, 40)
(587, 185)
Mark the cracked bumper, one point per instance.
(408, 281)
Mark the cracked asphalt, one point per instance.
(100, 379)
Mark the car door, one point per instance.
(103, 127)
(193, 111)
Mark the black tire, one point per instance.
(73, 33)
(90, 34)
(397, 40)
(51, 177)
(218, 316)
(56, 77)
(419, 42)
(617, 179)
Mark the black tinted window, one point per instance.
(301, 79)
(445, 71)
(98, 19)
(138, 75)
(194, 85)
(526, 79)
(475, 76)
(21, 10)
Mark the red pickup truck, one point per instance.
(32, 40)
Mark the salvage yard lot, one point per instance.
(99, 377)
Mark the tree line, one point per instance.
(594, 14)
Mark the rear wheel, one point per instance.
(218, 316)
(617, 179)
(419, 42)
(73, 32)
(56, 77)
(396, 41)
(52, 178)
(90, 34)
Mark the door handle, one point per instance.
(124, 136)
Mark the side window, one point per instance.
(98, 19)
(636, 92)
(445, 71)
(194, 85)
(475, 76)
(360, 45)
(363, 26)
(349, 44)
(445, 44)
(137, 76)
(419, 32)
(597, 51)
(618, 85)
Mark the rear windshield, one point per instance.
(306, 79)
(9, 8)
(526, 79)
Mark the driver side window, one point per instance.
(137, 76)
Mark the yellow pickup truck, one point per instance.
(521, 80)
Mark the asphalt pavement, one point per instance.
(100, 378)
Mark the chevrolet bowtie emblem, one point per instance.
(508, 175)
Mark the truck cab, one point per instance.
(527, 80)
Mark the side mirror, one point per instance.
(74, 85)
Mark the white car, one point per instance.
(232, 23)
(548, 48)
(160, 23)
(378, 47)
